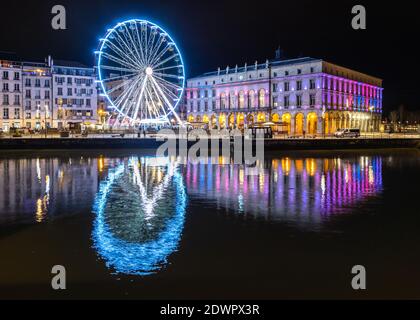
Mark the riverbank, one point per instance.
(152, 143)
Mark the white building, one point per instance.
(303, 95)
(75, 95)
(11, 95)
(35, 95)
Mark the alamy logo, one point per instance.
(359, 20)
(58, 22)
(58, 282)
(359, 280)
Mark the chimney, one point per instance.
(278, 54)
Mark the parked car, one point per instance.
(347, 133)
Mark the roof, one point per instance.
(69, 64)
(253, 67)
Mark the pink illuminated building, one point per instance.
(304, 95)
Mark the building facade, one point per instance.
(37, 95)
(11, 111)
(304, 95)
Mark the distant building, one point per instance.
(52, 94)
(304, 95)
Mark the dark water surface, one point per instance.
(128, 225)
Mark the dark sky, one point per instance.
(218, 33)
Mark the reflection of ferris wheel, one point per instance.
(141, 73)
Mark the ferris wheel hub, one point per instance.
(149, 71)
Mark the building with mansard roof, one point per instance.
(303, 95)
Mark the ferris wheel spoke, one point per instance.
(142, 59)
(121, 42)
(126, 95)
(166, 75)
(154, 109)
(130, 72)
(167, 68)
(166, 99)
(168, 89)
(168, 83)
(143, 85)
(121, 54)
(157, 46)
(121, 85)
(166, 60)
(132, 42)
(120, 61)
(150, 44)
(161, 104)
(160, 55)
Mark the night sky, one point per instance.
(221, 33)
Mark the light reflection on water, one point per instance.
(140, 203)
(298, 190)
(140, 210)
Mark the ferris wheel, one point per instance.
(141, 73)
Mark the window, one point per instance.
(312, 69)
(46, 94)
(312, 100)
(286, 86)
(28, 82)
(286, 73)
(206, 94)
(299, 101)
(5, 99)
(206, 105)
(275, 101)
(286, 101)
(47, 83)
(5, 75)
(88, 102)
(275, 87)
(17, 113)
(312, 84)
(275, 74)
(5, 87)
(37, 82)
(241, 99)
(251, 101)
(17, 88)
(16, 77)
(299, 71)
(28, 104)
(28, 116)
(5, 113)
(213, 93)
(59, 91)
(17, 100)
(38, 94)
(299, 85)
(69, 91)
(28, 94)
(69, 80)
(261, 98)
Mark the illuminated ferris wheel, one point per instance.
(141, 73)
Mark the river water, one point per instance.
(126, 224)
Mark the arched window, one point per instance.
(241, 100)
(261, 98)
(223, 100)
(232, 100)
(251, 99)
